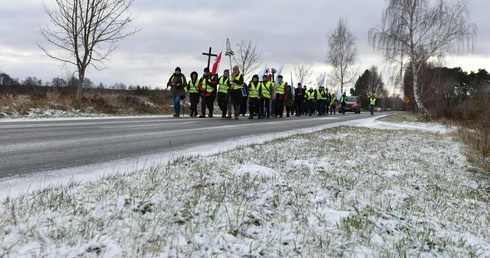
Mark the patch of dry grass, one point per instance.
(110, 104)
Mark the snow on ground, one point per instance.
(370, 189)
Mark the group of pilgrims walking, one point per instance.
(265, 98)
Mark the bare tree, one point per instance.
(342, 53)
(302, 73)
(247, 58)
(87, 31)
(414, 31)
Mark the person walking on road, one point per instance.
(265, 110)
(194, 94)
(321, 100)
(280, 89)
(223, 92)
(177, 83)
(333, 104)
(254, 92)
(372, 104)
(299, 98)
(235, 95)
(343, 103)
(289, 100)
(310, 101)
(207, 87)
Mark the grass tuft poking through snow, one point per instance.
(343, 191)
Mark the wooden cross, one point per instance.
(209, 56)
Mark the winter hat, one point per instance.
(226, 71)
(177, 69)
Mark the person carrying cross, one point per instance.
(207, 87)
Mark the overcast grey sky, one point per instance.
(176, 33)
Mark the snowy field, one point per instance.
(379, 189)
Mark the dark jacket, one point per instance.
(177, 83)
(299, 95)
(289, 99)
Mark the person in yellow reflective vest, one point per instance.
(254, 92)
(280, 89)
(322, 96)
(235, 94)
(311, 100)
(223, 92)
(372, 104)
(265, 102)
(207, 87)
(333, 104)
(343, 103)
(193, 89)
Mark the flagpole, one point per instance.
(229, 52)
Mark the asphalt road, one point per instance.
(32, 146)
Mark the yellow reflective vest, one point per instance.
(372, 101)
(266, 89)
(281, 88)
(193, 86)
(223, 84)
(311, 94)
(254, 89)
(206, 86)
(322, 95)
(237, 86)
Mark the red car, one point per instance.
(353, 104)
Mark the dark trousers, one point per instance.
(253, 104)
(266, 108)
(243, 106)
(321, 107)
(194, 98)
(279, 105)
(235, 98)
(311, 106)
(207, 102)
(298, 107)
(289, 110)
(223, 102)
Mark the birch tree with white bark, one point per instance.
(412, 32)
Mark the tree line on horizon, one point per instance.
(72, 82)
